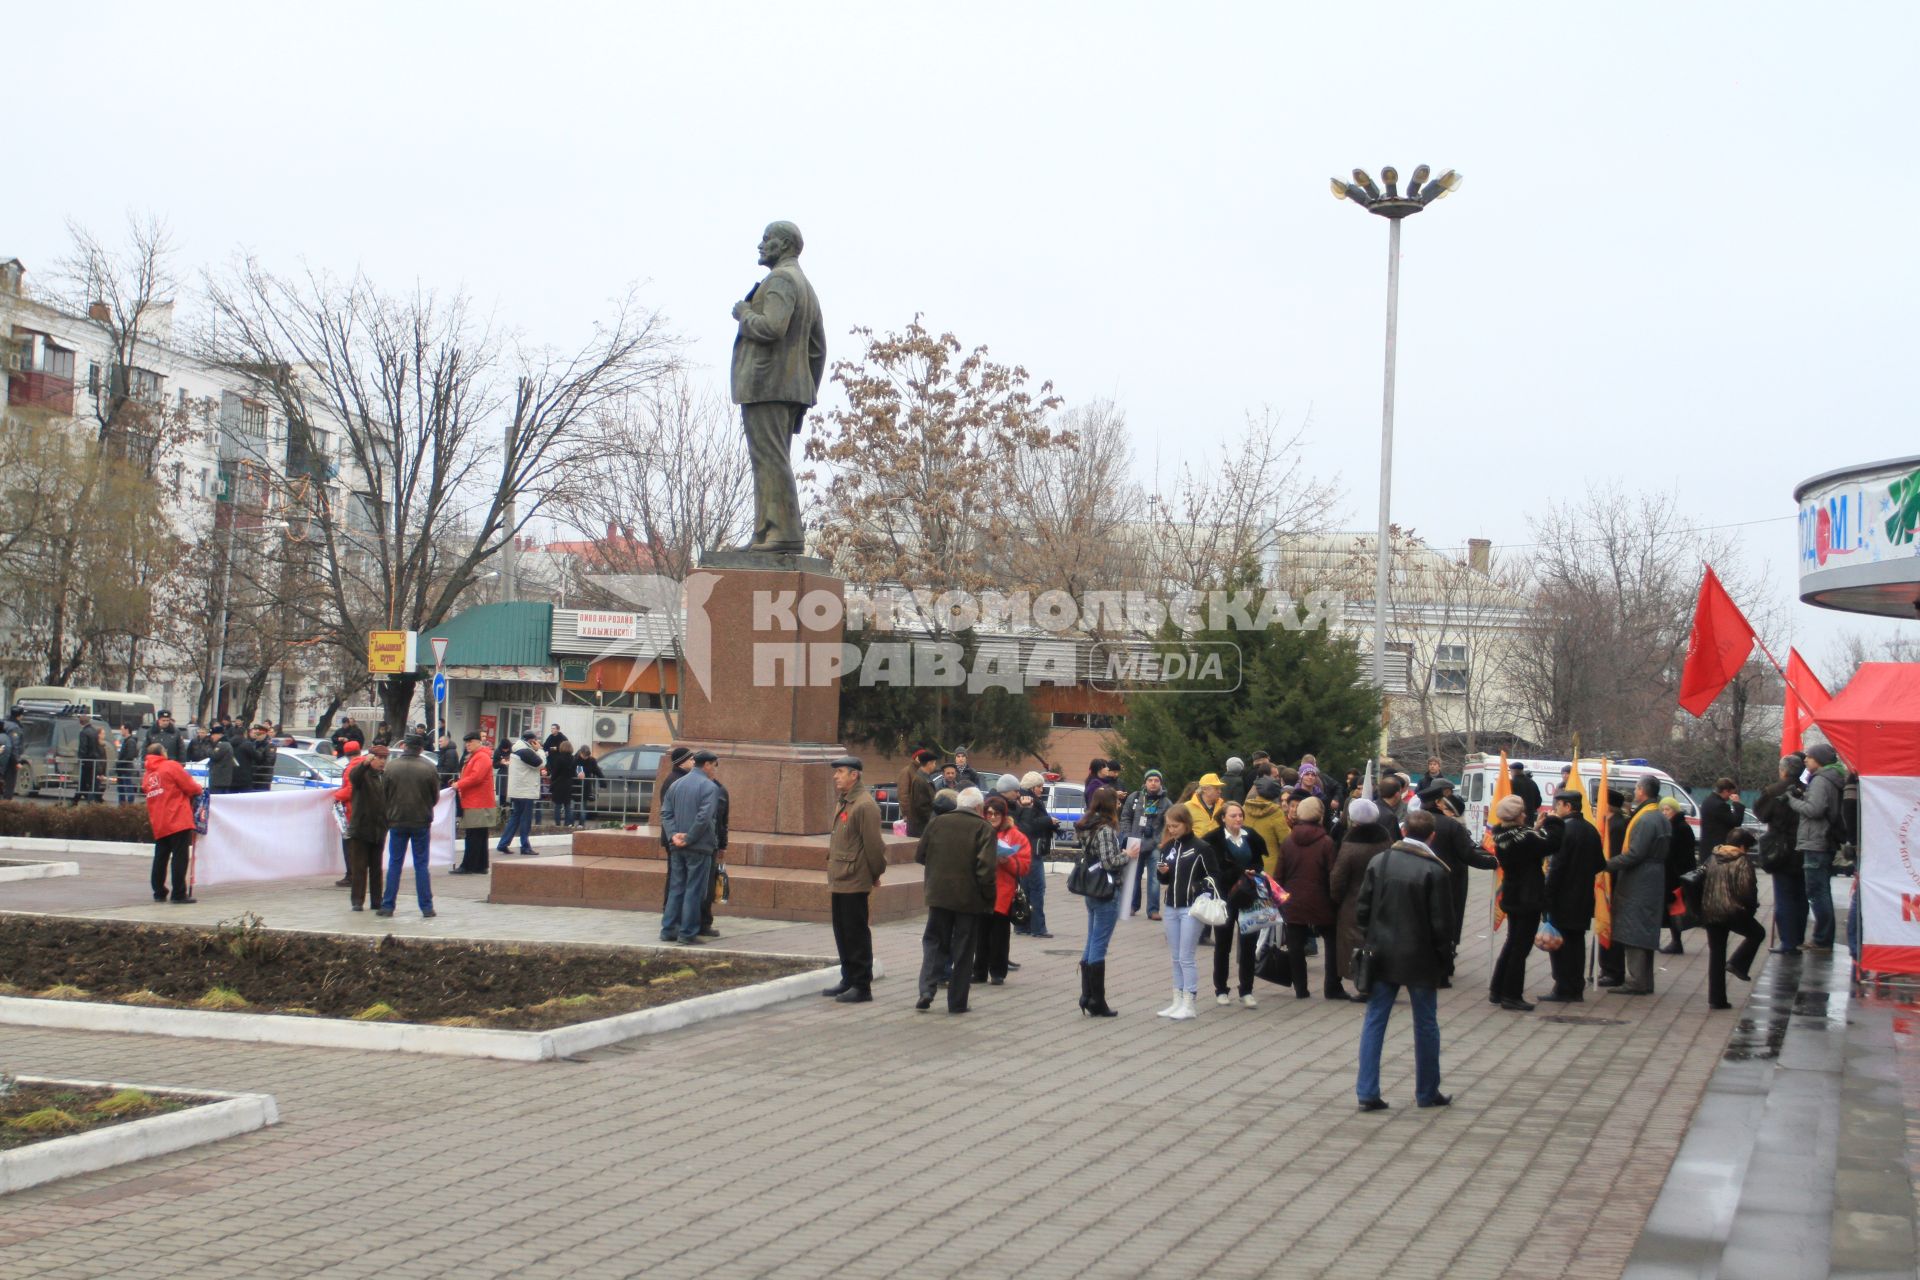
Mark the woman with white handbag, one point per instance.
(1192, 901)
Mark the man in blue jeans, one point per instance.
(524, 767)
(411, 787)
(1818, 805)
(690, 826)
(1406, 916)
(1141, 818)
(1038, 826)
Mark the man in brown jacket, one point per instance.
(916, 792)
(957, 851)
(856, 859)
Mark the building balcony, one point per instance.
(47, 392)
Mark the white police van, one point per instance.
(1482, 772)
(292, 771)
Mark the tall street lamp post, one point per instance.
(1395, 208)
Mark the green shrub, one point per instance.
(125, 823)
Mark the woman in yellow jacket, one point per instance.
(1206, 806)
(1268, 817)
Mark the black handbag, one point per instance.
(1091, 879)
(1271, 962)
(1362, 967)
(1780, 860)
(1020, 910)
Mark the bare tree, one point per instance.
(444, 429)
(91, 546)
(1852, 648)
(1231, 514)
(126, 294)
(1613, 579)
(660, 477)
(1077, 508)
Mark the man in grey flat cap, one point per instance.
(779, 360)
(856, 859)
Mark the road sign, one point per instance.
(439, 651)
(439, 686)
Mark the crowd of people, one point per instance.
(1275, 868)
(1280, 869)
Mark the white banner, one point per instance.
(1890, 874)
(280, 835)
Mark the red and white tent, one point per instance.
(1875, 726)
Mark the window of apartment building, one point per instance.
(1450, 668)
(139, 384)
(242, 417)
(36, 353)
(360, 513)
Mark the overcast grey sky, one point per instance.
(1678, 258)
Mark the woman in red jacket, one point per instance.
(477, 806)
(1306, 873)
(1014, 857)
(170, 792)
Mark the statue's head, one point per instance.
(779, 240)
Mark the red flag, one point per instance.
(1721, 641)
(1806, 699)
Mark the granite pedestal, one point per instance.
(758, 689)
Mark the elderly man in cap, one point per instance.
(1454, 846)
(957, 851)
(525, 765)
(1576, 862)
(690, 828)
(856, 859)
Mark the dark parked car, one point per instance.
(49, 755)
(627, 789)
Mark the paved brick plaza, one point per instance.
(824, 1140)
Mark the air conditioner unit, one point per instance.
(608, 727)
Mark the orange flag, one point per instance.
(1603, 883)
(1806, 699)
(1502, 788)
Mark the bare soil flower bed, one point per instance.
(39, 1112)
(243, 967)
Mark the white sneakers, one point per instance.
(1179, 998)
(1248, 1002)
(1186, 1009)
(1223, 999)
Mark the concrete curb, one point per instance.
(556, 842)
(410, 1037)
(36, 844)
(38, 871)
(233, 1114)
